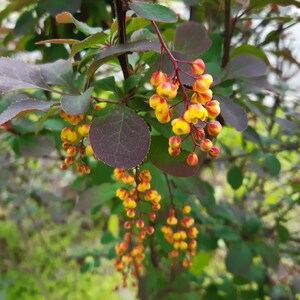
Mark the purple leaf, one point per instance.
(232, 113)
(191, 38)
(245, 66)
(22, 107)
(113, 51)
(120, 138)
(77, 104)
(175, 166)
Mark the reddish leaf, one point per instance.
(120, 138)
(58, 41)
(64, 18)
(232, 113)
(22, 107)
(191, 38)
(175, 166)
(113, 51)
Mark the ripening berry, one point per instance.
(129, 203)
(126, 259)
(130, 213)
(72, 151)
(84, 130)
(128, 179)
(192, 159)
(192, 244)
(66, 145)
(198, 67)
(143, 186)
(167, 90)
(208, 79)
(128, 225)
(140, 223)
(121, 248)
(206, 145)
(89, 150)
(194, 113)
(175, 141)
(156, 207)
(172, 212)
(174, 151)
(200, 86)
(156, 100)
(128, 237)
(199, 133)
(193, 233)
(63, 166)
(172, 220)
(214, 152)
(158, 77)
(187, 222)
(150, 230)
(174, 253)
(203, 97)
(151, 195)
(68, 135)
(145, 175)
(180, 126)
(187, 263)
(69, 160)
(213, 108)
(152, 217)
(214, 128)
(186, 209)
(163, 117)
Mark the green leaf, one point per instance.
(251, 225)
(136, 24)
(95, 39)
(153, 12)
(235, 177)
(113, 225)
(239, 259)
(283, 233)
(200, 261)
(131, 82)
(273, 164)
(268, 253)
(258, 3)
(76, 105)
(160, 157)
(249, 49)
(106, 84)
(56, 6)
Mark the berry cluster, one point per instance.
(182, 234)
(75, 142)
(139, 224)
(199, 106)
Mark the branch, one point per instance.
(227, 33)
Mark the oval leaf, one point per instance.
(175, 166)
(273, 165)
(245, 66)
(232, 113)
(153, 12)
(191, 38)
(120, 138)
(76, 105)
(22, 107)
(235, 177)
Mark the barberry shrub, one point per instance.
(135, 112)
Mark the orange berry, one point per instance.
(167, 90)
(193, 233)
(145, 175)
(203, 97)
(69, 160)
(200, 86)
(84, 129)
(143, 186)
(192, 159)
(198, 67)
(130, 213)
(155, 100)
(172, 220)
(214, 152)
(186, 209)
(63, 166)
(150, 230)
(152, 217)
(206, 145)
(156, 207)
(140, 223)
(175, 141)
(194, 113)
(180, 126)
(174, 151)
(158, 77)
(214, 128)
(128, 225)
(213, 108)
(199, 133)
(72, 151)
(128, 179)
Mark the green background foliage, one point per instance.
(58, 230)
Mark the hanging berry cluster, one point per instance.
(140, 220)
(75, 142)
(181, 233)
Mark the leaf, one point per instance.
(238, 259)
(120, 138)
(268, 253)
(113, 51)
(57, 41)
(191, 38)
(67, 18)
(23, 107)
(235, 177)
(251, 225)
(153, 12)
(105, 84)
(97, 195)
(283, 233)
(258, 3)
(200, 261)
(97, 38)
(273, 164)
(249, 49)
(175, 166)
(113, 225)
(245, 66)
(232, 113)
(76, 105)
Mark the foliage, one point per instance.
(58, 230)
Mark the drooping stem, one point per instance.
(120, 10)
(170, 190)
(227, 33)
